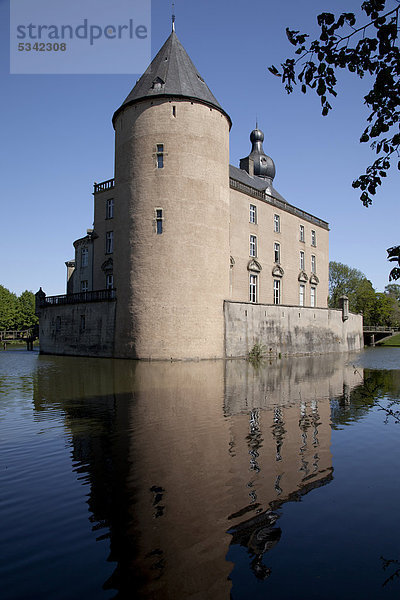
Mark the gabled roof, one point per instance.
(171, 73)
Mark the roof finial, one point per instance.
(256, 122)
(173, 16)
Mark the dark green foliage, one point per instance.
(377, 308)
(394, 256)
(16, 312)
(371, 48)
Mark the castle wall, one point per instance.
(290, 246)
(289, 330)
(84, 329)
(171, 286)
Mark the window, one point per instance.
(84, 257)
(109, 242)
(277, 223)
(110, 208)
(277, 291)
(313, 264)
(313, 296)
(253, 213)
(302, 291)
(253, 288)
(109, 281)
(160, 156)
(253, 246)
(301, 260)
(84, 286)
(159, 221)
(277, 252)
(82, 326)
(302, 236)
(313, 238)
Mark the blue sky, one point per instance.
(57, 138)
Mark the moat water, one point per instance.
(207, 480)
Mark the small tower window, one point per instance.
(159, 221)
(277, 223)
(84, 285)
(160, 156)
(174, 111)
(302, 236)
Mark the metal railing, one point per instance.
(11, 334)
(371, 328)
(94, 296)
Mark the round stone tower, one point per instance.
(171, 219)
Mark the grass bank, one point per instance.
(393, 341)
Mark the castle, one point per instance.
(190, 257)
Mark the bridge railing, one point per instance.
(93, 296)
(376, 328)
(13, 334)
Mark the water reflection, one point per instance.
(186, 461)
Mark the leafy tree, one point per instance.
(343, 280)
(377, 308)
(370, 48)
(393, 289)
(8, 309)
(26, 317)
(17, 313)
(385, 311)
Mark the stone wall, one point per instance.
(84, 329)
(289, 329)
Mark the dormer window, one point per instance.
(157, 84)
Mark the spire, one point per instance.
(262, 165)
(173, 16)
(172, 74)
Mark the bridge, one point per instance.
(378, 333)
(26, 335)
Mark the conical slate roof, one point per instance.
(172, 73)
